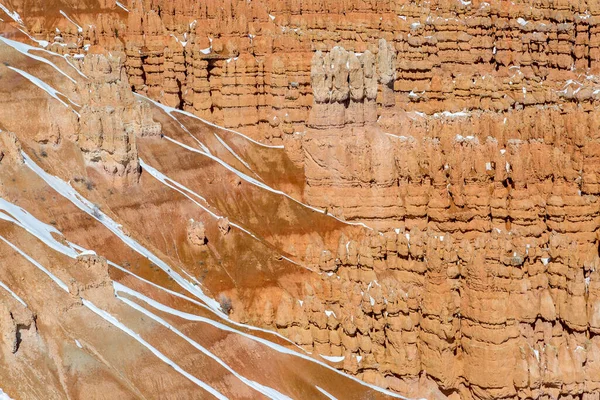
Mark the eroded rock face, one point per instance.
(344, 89)
(224, 226)
(466, 133)
(17, 323)
(10, 148)
(112, 118)
(248, 65)
(89, 272)
(196, 233)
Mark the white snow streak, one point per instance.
(42, 85)
(67, 191)
(60, 283)
(257, 183)
(4, 396)
(43, 232)
(274, 346)
(13, 14)
(112, 320)
(18, 216)
(333, 359)
(170, 110)
(265, 390)
(122, 6)
(325, 393)
(183, 189)
(24, 49)
(79, 28)
(13, 294)
(233, 152)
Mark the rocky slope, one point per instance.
(132, 242)
(423, 216)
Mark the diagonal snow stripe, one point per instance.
(183, 189)
(13, 294)
(261, 185)
(24, 49)
(64, 14)
(325, 393)
(265, 390)
(67, 191)
(281, 349)
(112, 320)
(170, 110)
(60, 283)
(41, 84)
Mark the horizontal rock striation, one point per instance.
(465, 133)
(247, 65)
(112, 118)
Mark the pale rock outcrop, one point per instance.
(345, 86)
(10, 148)
(17, 323)
(88, 273)
(112, 118)
(224, 226)
(196, 233)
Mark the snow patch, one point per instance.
(13, 14)
(545, 260)
(4, 396)
(334, 359)
(123, 7)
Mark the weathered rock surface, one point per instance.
(464, 133)
(247, 65)
(111, 118)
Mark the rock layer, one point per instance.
(464, 133)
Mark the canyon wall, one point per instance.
(247, 65)
(464, 134)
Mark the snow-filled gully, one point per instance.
(119, 288)
(13, 294)
(206, 152)
(113, 321)
(103, 314)
(187, 192)
(45, 87)
(24, 49)
(170, 110)
(18, 216)
(258, 183)
(43, 232)
(67, 191)
(265, 390)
